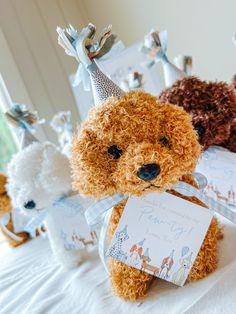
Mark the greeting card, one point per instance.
(160, 234)
(219, 167)
(71, 225)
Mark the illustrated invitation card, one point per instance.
(219, 167)
(71, 224)
(160, 234)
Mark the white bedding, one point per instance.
(32, 282)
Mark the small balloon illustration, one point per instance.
(185, 250)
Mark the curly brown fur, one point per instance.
(127, 282)
(137, 124)
(230, 144)
(212, 106)
(5, 207)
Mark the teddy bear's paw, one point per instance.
(127, 282)
(207, 259)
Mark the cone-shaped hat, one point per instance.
(27, 139)
(124, 229)
(184, 63)
(234, 39)
(146, 253)
(172, 254)
(86, 51)
(141, 242)
(189, 257)
(154, 45)
(20, 117)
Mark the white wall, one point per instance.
(29, 27)
(201, 28)
(15, 85)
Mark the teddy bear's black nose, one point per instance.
(30, 205)
(148, 172)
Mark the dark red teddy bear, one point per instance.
(212, 106)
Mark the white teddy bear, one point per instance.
(38, 176)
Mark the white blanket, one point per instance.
(31, 281)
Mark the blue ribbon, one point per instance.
(161, 44)
(72, 204)
(83, 71)
(95, 212)
(76, 45)
(35, 224)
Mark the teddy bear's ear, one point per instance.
(49, 151)
(56, 166)
(177, 125)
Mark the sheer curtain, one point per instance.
(8, 138)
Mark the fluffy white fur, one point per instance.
(41, 173)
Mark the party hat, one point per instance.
(172, 254)
(146, 253)
(134, 80)
(184, 63)
(85, 50)
(24, 120)
(124, 229)
(234, 39)
(141, 242)
(189, 257)
(154, 46)
(62, 125)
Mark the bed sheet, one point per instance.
(31, 281)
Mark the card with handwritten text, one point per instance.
(160, 234)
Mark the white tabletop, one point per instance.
(31, 281)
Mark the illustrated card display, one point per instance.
(160, 234)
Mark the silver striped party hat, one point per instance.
(154, 46)
(85, 50)
(24, 120)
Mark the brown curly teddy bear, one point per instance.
(5, 207)
(212, 106)
(134, 145)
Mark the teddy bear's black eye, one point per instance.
(164, 141)
(30, 204)
(209, 107)
(200, 129)
(114, 151)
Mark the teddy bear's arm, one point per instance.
(127, 282)
(6, 205)
(130, 283)
(207, 259)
